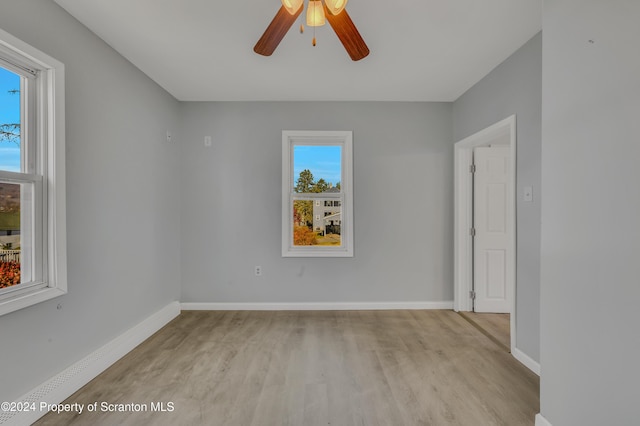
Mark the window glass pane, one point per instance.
(317, 168)
(10, 242)
(303, 234)
(10, 121)
(316, 224)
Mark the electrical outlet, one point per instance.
(207, 141)
(257, 270)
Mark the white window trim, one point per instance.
(297, 137)
(50, 139)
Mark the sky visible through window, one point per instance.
(9, 114)
(324, 162)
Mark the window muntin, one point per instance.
(317, 174)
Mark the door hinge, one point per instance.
(472, 232)
(472, 295)
(472, 168)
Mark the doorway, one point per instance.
(502, 133)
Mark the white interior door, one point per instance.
(492, 196)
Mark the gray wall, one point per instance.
(515, 87)
(122, 203)
(402, 202)
(591, 235)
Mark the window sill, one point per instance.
(20, 301)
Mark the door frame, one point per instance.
(463, 216)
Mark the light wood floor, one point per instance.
(495, 326)
(315, 368)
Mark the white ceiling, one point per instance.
(421, 50)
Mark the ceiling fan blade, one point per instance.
(348, 34)
(276, 31)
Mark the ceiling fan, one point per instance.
(317, 10)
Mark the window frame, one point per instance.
(43, 144)
(291, 138)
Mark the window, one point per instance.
(317, 195)
(32, 185)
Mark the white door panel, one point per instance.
(492, 195)
(495, 278)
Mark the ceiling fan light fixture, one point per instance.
(335, 6)
(340, 22)
(292, 6)
(315, 13)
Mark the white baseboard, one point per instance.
(526, 360)
(64, 384)
(541, 421)
(319, 306)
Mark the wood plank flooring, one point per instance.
(314, 368)
(496, 326)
